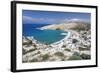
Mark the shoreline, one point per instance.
(65, 47)
(65, 38)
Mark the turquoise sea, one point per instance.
(44, 36)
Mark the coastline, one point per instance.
(72, 45)
(65, 38)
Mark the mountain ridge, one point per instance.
(73, 25)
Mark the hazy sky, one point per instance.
(50, 17)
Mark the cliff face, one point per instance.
(69, 25)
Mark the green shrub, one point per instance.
(75, 57)
(59, 54)
(74, 41)
(23, 51)
(67, 49)
(63, 46)
(82, 49)
(45, 57)
(85, 56)
(76, 54)
(63, 59)
(34, 60)
(31, 50)
(24, 61)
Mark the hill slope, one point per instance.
(69, 25)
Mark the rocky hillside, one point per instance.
(76, 47)
(68, 25)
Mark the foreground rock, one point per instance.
(34, 51)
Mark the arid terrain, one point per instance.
(75, 46)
